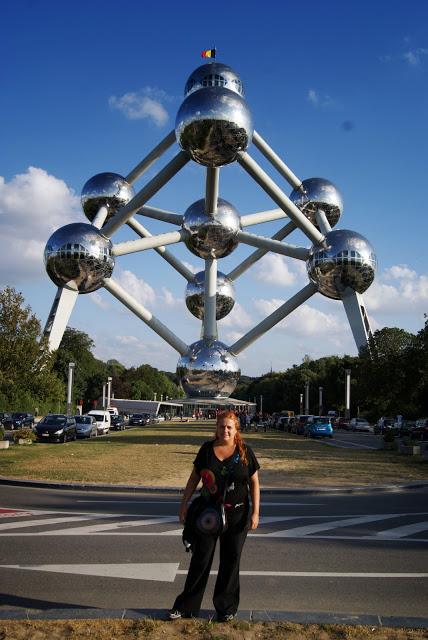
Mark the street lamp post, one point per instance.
(261, 405)
(71, 366)
(104, 397)
(307, 397)
(109, 390)
(301, 404)
(347, 394)
(320, 390)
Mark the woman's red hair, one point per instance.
(239, 442)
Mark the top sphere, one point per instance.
(319, 194)
(105, 190)
(214, 74)
(348, 261)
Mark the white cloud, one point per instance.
(237, 318)
(274, 269)
(413, 57)
(132, 351)
(304, 321)
(139, 105)
(407, 294)
(136, 287)
(317, 99)
(191, 267)
(32, 206)
(97, 299)
(167, 299)
(398, 272)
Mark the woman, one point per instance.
(223, 463)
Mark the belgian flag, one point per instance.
(208, 53)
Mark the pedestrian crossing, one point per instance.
(411, 527)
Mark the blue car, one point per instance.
(319, 427)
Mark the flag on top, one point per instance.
(208, 53)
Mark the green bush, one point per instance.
(25, 434)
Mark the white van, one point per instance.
(103, 420)
(113, 411)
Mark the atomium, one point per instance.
(213, 128)
(108, 190)
(208, 370)
(347, 261)
(225, 295)
(211, 236)
(318, 194)
(77, 256)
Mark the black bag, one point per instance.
(203, 518)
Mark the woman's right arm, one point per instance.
(191, 485)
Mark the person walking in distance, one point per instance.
(228, 469)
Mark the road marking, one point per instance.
(167, 571)
(265, 504)
(35, 523)
(405, 530)
(103, 527)
(335, 524)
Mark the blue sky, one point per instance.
(339, 90)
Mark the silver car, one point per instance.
(86, 426)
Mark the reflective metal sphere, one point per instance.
(78, 256)
(208, 370)
(211, 236)
(213, 125)
(225, 296)
(105, 190)
(319, 194)
(348, 261)
(214, 74)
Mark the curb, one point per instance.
(297, 617)
(82, 486)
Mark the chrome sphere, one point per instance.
(214, 74)
(225, 295)
(208, 370)
(213, 125)
(319, 194)
(78, 256)
(348, 261)
(211, 236)
(105, 190)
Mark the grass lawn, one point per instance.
(162, 455)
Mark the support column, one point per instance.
(210, 299)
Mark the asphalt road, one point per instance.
(343, 553)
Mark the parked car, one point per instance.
(359, 424)
(18, 420)
(298, 426)
(420, 431)
(383, 424)
(319, 427)
(4, 416)
(56, 427)
(342, 423)
(86, 426)
(406, 427)
(103, 420)
(118, 423)
(140, 419)
(284, 423)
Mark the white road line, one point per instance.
(335, 524)
(265, 504)
(405, 530)
(98, 528)
(320, 574)
(35, 523)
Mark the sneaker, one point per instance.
(174, 614)
(227, 618)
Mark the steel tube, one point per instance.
(160, 214)
(262, 216)
(164, 253)
(276, 161)
(132, 246)
(301, 253)
(210, 294)
(278, 196)
(147, 192)
(279, 314)
(211, 190)
(323, 223)
(100, 218)
(257, 255)
(154, 155)
(141, 312)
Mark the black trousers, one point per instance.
(226, 591)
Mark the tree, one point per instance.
(26, 377)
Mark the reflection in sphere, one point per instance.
(78, 256)
(225, 295)
(348, 261)
(211, 236)
(214, 74)
(213, 125)
(319, 194)
(105, 190)
(208, 370)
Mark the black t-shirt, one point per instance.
(215, 473)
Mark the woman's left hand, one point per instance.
(254, 521)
